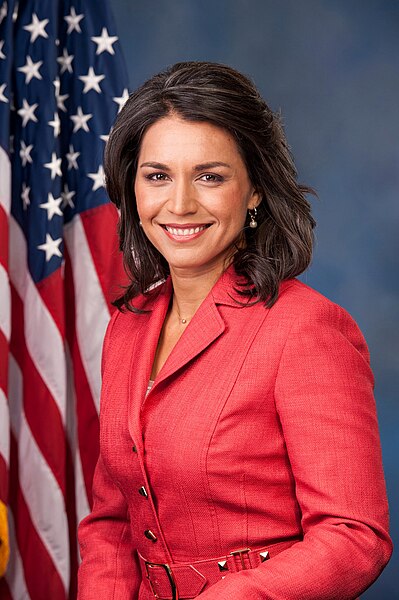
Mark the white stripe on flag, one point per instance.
(5, 431)
(5, 181)
(38, 484)
(92, 314)
(46, 351)
(15, 571)
(82, 503)
(5, 303)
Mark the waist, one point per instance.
(185, 580)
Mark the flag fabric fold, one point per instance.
(62, 82)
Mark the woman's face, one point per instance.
(193, 192)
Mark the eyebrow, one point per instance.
(210, 165)
(197, 168)
(155, 165)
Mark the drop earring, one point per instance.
(253, 222)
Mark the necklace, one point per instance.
(181, 319)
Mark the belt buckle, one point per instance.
(169, 573)
(240, 554)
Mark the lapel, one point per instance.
(148, 327)
(204, 328)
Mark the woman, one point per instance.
(239, 456)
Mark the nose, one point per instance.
(182, 200)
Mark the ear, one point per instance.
(254, 200)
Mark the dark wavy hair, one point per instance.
(281, 246)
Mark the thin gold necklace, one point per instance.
(183, 321)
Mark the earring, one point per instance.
(141, 224)
(253, 222)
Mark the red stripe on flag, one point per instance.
(72, 525)
(100, 225)
(51, 290)
(42, 579)
(5, 593)
(4, 387)
(3, 362)
(3, 482)
(86, 412)
(3, 237)
(41, 410)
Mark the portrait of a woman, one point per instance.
(239, 446)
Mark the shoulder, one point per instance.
(308, 314)
(124, 323)
(141, 304)
(297, 295)
(303, 302)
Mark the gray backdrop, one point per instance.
(332, 67)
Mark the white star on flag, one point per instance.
(91, 81)
(2, 55)
(57, 85)
(51, 247)
(27, 112)
(98, 178)
(25, 195)
(31, 69)
(104, 42)
(104, 138)
(52, 206)
(72, 157)
(36, 28)
(122, 99)
(56, 124)
(73, 21)
(80, 120)
(66, 61)
(2, 96)
(67, 196)
(60, 99)
(54, 166)
(60, 102)
(24, 153)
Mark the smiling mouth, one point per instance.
(185, 231)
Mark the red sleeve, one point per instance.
(324, 398)
(109, 567)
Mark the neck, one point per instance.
(189, 291)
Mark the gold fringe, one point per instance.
(4, 543)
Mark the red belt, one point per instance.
(176, 581)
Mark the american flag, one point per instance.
(62, 82)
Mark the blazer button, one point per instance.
(150, 535)
(134, 449)
(143, 492)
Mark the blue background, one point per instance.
(332, 68)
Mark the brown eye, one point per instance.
(212, 178)
(156, 176)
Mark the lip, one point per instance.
(180, 237)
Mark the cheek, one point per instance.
(142, 202)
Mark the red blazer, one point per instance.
(260, 428)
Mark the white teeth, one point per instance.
(183, 232)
